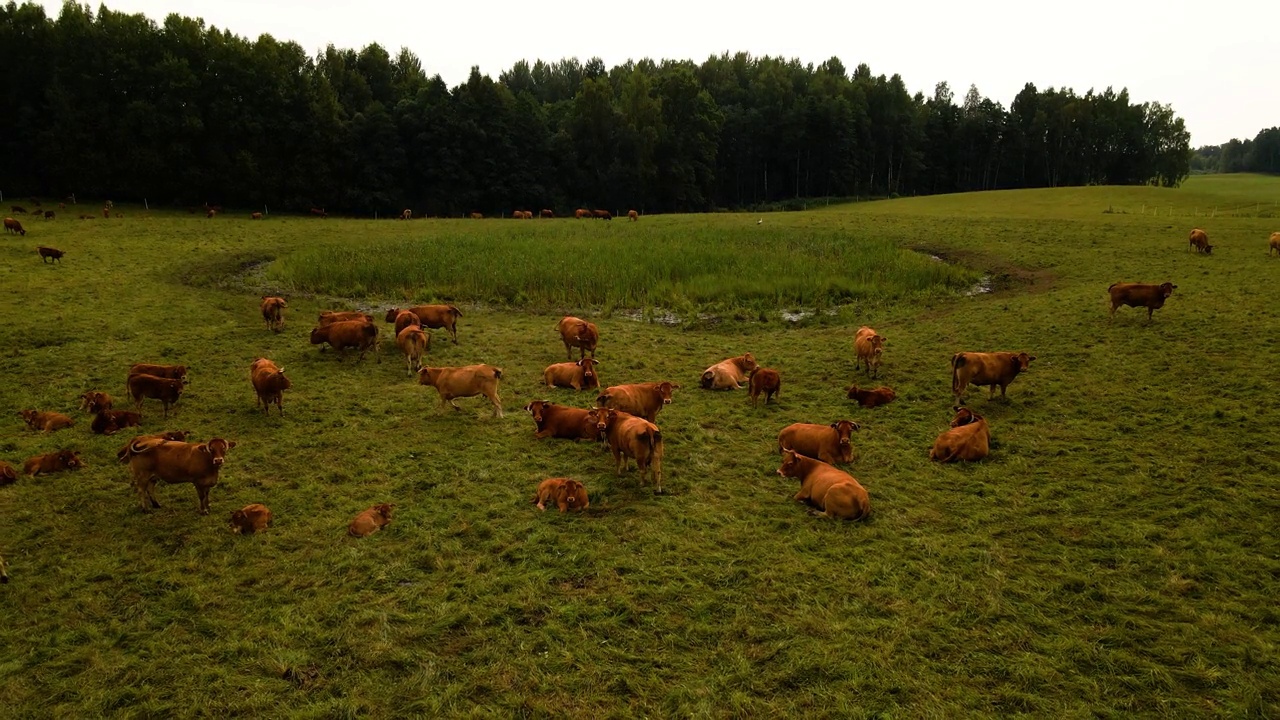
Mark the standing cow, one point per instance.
(1199, 242)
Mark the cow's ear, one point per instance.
(835, 426)
(204, 448)
(231, 444)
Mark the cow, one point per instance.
(13, 226)
(255, 216)
(329, 317)
(828, 443)
(868, 346)
(250, 519)
(546, 213)
(578, 333)
(8, 475)
(968, 439)
(835, 493)
(871, 398)
(468, 381)
(517, 214)
(632, 215)
(109, 422)
(601, 215)
(371, 520)
(174, 372)
(166, 390)
(53, 462)
(477, 216)
(94, 402)
(319, 212)
(577, 375)
(404, 319)
(729, 374)
(271, 312)
(764, 380)
(179, 435)
(406, 214)
(343, 334)
(209, 213)
(413, 342)
(631, 437)
(568, 494)
(46, 421)
(640, 399)
(48, 215)
(4, 571)
(551, 420)
(18, 209)
(48, 254)
(269, 382)
(990, 369)
(581, 213)
(1199, 242)
(1274, 244)
(435, 317)
(174, 462)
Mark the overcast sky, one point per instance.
(1217, 63)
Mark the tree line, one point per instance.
(1259, 155)
(109, 104)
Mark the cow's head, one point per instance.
(28, 416)
(877, 343)
(392, 313)
(601, 418)
(574, 495)
(384, 509)
(844, 430)
(852, 392)
(70, 459)
(664, 389)
(1166, 289)
(588, 366)
(747, 362)
(791, 463)
(181, 371)
(428, 376)
(536, 408)
(217, 449)
(1208, 249)
(238, 520)
(964, 416)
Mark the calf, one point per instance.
(329, 317)
(53, 462)
(631, 437)
(567, 494)
(343, 334)
(46, 421)
(828, 443)
(728, 374)
(173, 372)
(641, 399)
(250, 519)
(868, 346)
(13, 226)
(1151, 297)
(578, 333)
(577, 375)
(371, 520)
(871, 398)
(271, 312)
(95, 402)
(166, 390)
(468, 381)
(1199, 242)
(835, 493)
(560, 421)
(48, 254)
(767, 381)
(413, 343)
(154, 459)
(269, 382)
(990, 369)
(968, 439)
(8, 475)
(435, 317)
(109, 422)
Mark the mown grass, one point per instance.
(1115, 556)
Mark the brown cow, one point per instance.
(546, 213)
(53, 462)
(640, 399)
(48, 254)
(109, 422)
(767, 381)
(729, 374)
(179, 435)
(358, 334)
(990, 369)
(568, 494)
(250, 519)
(435, 317)
(871, 398)
(560, 421)
(269, 382)
(1199, 242)
(95, 402)
(319, 212)
(828, 443)
(517, 214)
(468, 381)
(581, 213)
(577, 375)
(46, 421)
(413, 342)
(631, 437)
(8, 475)
(271, 312)
(371, 520)
(1274, 244)
(968, 439)
(329, 317)
(175, 372)
(13, 226)
(176, 462)
(166, 390)
(868, 346)
(255, 216)
(406, 214)
(209, 213)
(632, 215)
(836, 493)
(578, 333)
(404, 319)
(601, 215)
(477, 216)
(48, 215)
(17, 209)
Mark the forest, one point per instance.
(115, 105)
(1259, 155)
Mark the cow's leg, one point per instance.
(150, 486)
(202, 494)
(568, 351)
(455, 405)
(1149, 311)
(619, 460)
(497, 403)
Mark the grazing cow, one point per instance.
(568, 494)
(871, 398)
(46, 421)
(404, 319)
(546, 213)
(729, 374)
(53, 462)
(329, 317)
(990, 369)
(528, 214)
(109, 422)
(7, 474)
(1151, 297)
(435, 317)
(343, 334)
(319, 212)
(468, 381)
(269, 382)
(50, 254)
(868, 346)
(1199, 242)
(255, 216)
(209, 214)
(1274, 244)
(95, 402)
(166, 390)
(371, 520)
(13, 226)
(767, 381)
(178, 435)
(18, 209)
(632, 215)
(577, 375)
(48, 214)
(250, 519)
(406, 214)
(836, 493)
(176, 462)
(581, 213)
(578, 333)
(601, 214)
(271, 315)
(174, 372)
(640, 399)
(517, 214)
(631, 437)
(968, 439)
(413, 342)
(828, 443)
(551, 420)
(477, 216)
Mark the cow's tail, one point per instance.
(655, 456)
(957, 362)
(1111, 286)
(497, 373)
(708, 377)
(455, 310)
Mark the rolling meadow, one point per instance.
(1115, 555)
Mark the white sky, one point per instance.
(1215, 62)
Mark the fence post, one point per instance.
(145, 206)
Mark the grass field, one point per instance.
(1116, 555)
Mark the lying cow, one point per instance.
(828, 443)
(990, 369)
(175, 372)
(631, 437)
(868, 346)
(109, 422)
(577, 375)
(48, 254)
(835, 493)
(968, 439)
(468, 381)
(871, 398)
(1199, 242)
(154, 459)
(413, 343)
(560, 421)
(1151, 297)
(358, 334)
(578, 333)
(640, 399)
(166, 390)
(371, 520)
(271, 312)
(568, 494)
(435, 317)
(53, 462)
(329, 317)
(764, 380)
(729, 374)
(269, 382)
(46, 421)
(95, 402)
(250, 519)
(8, 475)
